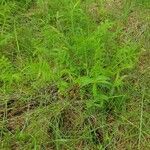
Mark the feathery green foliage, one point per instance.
(65, 69)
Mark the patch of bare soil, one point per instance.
(144, 62)
(93, 11)
(14, 112)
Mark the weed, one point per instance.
(65, 74)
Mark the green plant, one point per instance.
(65, 75)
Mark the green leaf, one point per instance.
(83, 81)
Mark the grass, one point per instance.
(74, 74)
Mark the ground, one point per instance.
(75, 75)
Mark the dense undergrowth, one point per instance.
(73, 74)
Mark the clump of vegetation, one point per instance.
(71, 73)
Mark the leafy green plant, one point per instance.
(65, 67)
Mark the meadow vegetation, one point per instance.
(74, 74)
